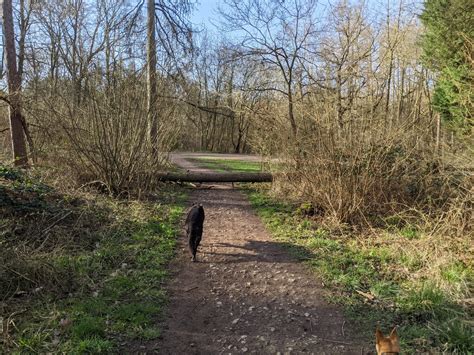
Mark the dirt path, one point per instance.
(246, 294)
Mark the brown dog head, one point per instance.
(387, 345)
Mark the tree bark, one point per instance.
(215, 177)
(151, 75)
(339, 109)
(17, 121)
(291, 114)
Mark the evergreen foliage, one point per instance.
(448, 44)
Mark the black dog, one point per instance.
(194, 226)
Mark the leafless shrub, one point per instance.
(103, 138)
(367, 171)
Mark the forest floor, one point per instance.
(246, 293)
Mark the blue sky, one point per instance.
(205, 11)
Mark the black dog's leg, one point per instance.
(191, 246)
(195, 247)
(194, 250)
(194, 226)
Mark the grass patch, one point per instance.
(410, 232)
(416, 281)
(229, 165)
(87, 327)
(94, 345)
(82, 273)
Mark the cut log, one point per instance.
(214, 177)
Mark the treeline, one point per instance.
(352, 100)
(89, 104)
(368, 107)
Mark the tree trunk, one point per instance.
(151, 75)
(402, 93)
(339, 110)
(389, 86)
(14, 89)
(291, 114)
(214, 177)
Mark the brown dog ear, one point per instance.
(393, 334)
(378, 334)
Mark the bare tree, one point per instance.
(344, 51)
(276, 34)
(167, 21)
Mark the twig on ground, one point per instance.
(47, 229)
(336, 341)
(21, 275)
(366, 295)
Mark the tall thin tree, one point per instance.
(17, 121)
(151, 75)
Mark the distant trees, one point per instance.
(345, 49)
(220, 114)
(341, 96)
(168, 28)
(84, 69)
(448, 50)
(327, 88)
(277, 35)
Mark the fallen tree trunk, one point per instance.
(214, 177)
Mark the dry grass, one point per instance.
(40, 224)
(77, 268)
(380, 174)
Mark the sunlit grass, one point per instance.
(125, 296)
(104, 292)
(228, 165)
(417, 281)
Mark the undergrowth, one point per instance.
(396, 275)
(81, 273)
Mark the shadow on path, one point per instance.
(247, 294)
